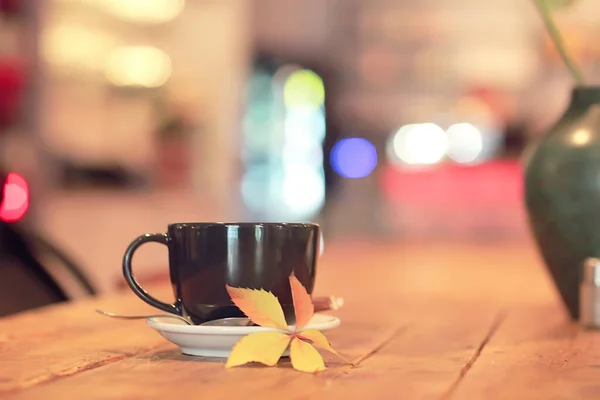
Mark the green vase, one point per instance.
(562, 193)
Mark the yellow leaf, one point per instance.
(305, 357)
(263, 347)
(303, 305)
(260, 306)
(318, 339)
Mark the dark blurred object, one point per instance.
(333, 126)
(515, 139)
(25, 282)
(11, 84)
(589, 294)
(173, 144)
(562, 193)
(10, 8)
(73, 175)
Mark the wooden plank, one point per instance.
(153, 370)
(45, 344)
(424, 357)
(417, 317)
(420, 361)
(538, 353)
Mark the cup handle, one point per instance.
(134, 285)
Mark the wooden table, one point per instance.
(422, 321)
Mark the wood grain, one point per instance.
(421, 321)
(537, 350)
(46, 344)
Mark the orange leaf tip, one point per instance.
(304, 308)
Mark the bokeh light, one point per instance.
(292, 191)
(309, 156)
(77, 47)
(151, 11)
(304, 124)
(256, 186)
(143, 66)
(304, 87)
(465, 143)
(15, 199)
(353, 158)
(424, 143)
(284, 127)
(303, 190)
(257, 124)
(581, 137)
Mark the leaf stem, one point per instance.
(544, 10)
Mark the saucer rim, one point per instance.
(331, 322)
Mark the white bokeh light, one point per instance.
(303, 190)
(310, 156)
(424, 143)
(465, 142)
(304, 125)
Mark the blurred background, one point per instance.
(382, 119)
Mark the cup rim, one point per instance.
(243, 224)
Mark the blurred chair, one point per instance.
(34, 272)
(25, 280)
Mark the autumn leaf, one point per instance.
(263, 347)
(303, 305)
(304, 311)
(319, 340)
(260, 306)
(263, 308)
(305, 357)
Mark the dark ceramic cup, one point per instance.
(204, 257)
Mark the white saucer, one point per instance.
(217, 341)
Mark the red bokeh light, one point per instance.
(15, 201)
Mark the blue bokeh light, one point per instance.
(353, 158)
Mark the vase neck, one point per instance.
(585, 96)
